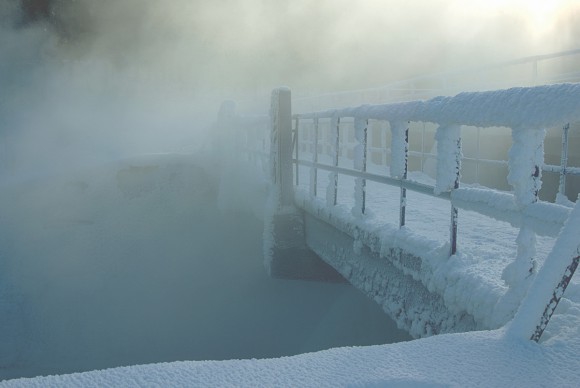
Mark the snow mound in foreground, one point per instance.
(488, 359)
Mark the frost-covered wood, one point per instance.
(281, 145)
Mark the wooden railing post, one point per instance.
(281, 145)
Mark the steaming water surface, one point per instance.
(134, 263)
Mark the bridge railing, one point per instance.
(525, 112)
(526, 122)
(526, 153)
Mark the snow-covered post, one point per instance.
(399, 161)
(281, 145)
(332, 189)
(526, 157)
(449, 155)
(549, 286)
(286, 254)
(360, 163)
(314, 169)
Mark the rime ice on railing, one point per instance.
(399, 162)
(332, 188)
(360, 164)
(399, 148)
(448, 139)
(526, 158)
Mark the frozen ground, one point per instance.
(477, 359)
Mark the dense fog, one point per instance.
(106, 261)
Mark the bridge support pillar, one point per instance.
(286, 254)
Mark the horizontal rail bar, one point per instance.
(410, 185)
(558, 169)
(545, 168)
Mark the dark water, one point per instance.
(97, 277)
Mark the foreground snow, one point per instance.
(488, 359)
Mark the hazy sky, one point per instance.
(323, 44)
(114, 77)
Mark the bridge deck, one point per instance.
(470, 281)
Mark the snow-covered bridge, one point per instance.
(439, 251)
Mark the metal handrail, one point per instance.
(407, 184)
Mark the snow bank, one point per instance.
(486, 359)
